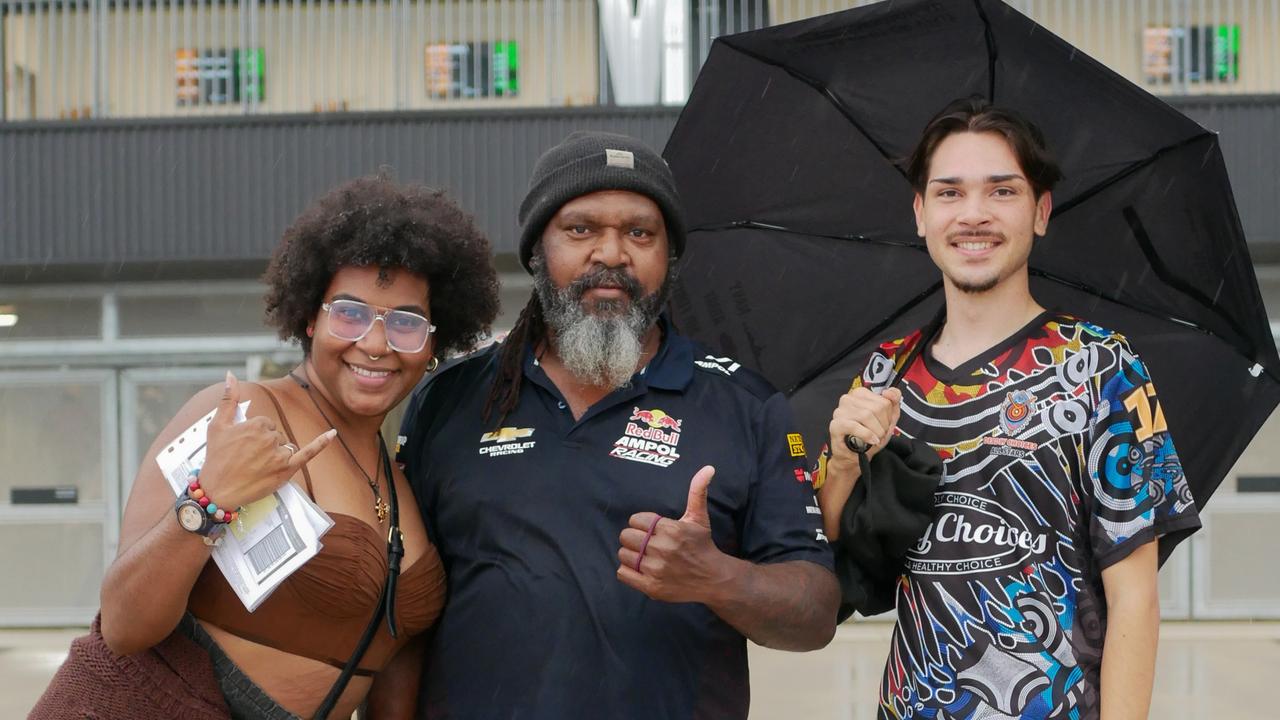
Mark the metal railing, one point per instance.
(71, 59)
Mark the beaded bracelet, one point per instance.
(195, 492)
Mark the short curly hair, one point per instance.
(374, 222)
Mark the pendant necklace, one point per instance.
(379, 506)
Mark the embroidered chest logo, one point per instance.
(505, 441)
(651, 437)
(1016, 411)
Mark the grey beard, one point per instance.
(602, 347)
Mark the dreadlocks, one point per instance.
(530, 328)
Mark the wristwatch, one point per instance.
(193, 518)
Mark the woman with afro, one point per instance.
(376, 281)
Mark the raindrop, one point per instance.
(1207, 157)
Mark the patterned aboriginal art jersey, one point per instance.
(1057, 464)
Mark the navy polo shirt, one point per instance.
(526, 517)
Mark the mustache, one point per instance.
(603, 276)
(976, 234)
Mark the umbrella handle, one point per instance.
(856, 444)
(860, 447)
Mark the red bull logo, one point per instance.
(656, 419)
(651, 436)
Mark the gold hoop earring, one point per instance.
(433, 364)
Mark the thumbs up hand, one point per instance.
(695, 510)
(674, 560)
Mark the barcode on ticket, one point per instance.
(269, 550)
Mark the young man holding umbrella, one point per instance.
(596, 568)
(1033, 592)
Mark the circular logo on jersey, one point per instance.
(1066, 417)
(1016, 411)
(972, 534)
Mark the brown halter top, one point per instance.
(321, 610)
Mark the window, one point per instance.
(1195, 54)
(219, 77)
(473, 70)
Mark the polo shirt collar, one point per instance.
(672, 367)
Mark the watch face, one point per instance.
(191, 517)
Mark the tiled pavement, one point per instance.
(1205, 670)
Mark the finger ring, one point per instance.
(290, 447)
(856, 444)
(645, 544)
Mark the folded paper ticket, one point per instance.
(272, 537)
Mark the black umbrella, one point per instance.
(803, 252)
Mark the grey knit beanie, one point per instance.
(587, 162)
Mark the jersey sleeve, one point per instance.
(783, 521)
(1139, 490)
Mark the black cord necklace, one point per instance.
(379, 506)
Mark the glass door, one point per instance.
(58, 493)
(150, 397)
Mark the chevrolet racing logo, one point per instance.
(504, 442)
(506, 434)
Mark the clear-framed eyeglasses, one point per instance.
(351, 320)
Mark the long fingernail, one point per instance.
(226, 383)
(331, 433)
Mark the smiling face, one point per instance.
(367, 377)
(978, 213)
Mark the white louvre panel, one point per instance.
(1236, 558)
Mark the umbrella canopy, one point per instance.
(803, 254)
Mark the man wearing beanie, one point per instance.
(617, 509)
